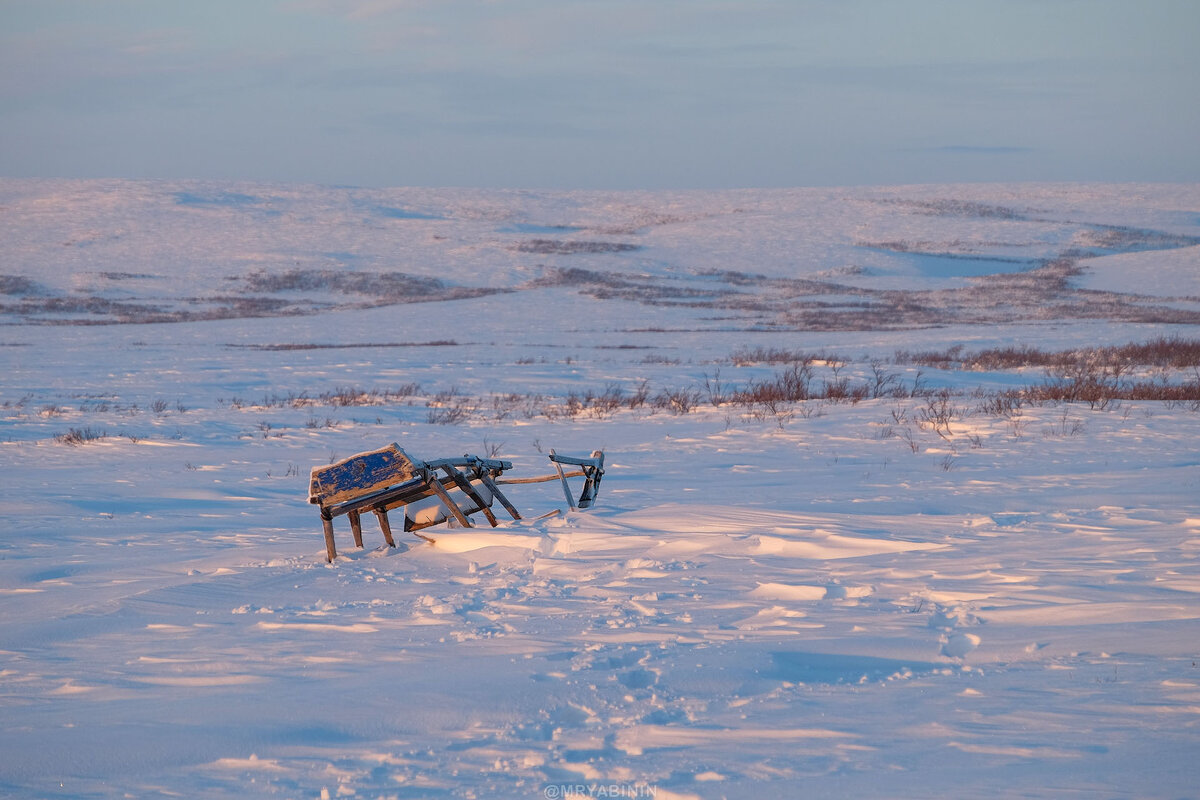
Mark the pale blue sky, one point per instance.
(602, 93)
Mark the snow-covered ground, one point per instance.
(821, 599)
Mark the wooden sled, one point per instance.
(385, 479)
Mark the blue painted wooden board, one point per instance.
(361, 474)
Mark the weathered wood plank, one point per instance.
(487, 481)
(448, 501)
(578, 461)
(591, 485)
(470, 491)
(541, 478)
(490, 464)
(360, 474)
(562, 477)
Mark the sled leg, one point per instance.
(330, 547)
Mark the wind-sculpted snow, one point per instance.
(818, 566)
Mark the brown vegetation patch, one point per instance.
(567, 248)
(20, 285)
(350, 346)
(376, 284)
(959, 208)
(1172, 352)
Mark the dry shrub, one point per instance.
(77, 436)
(677, 401)
(1104, 386)
(792, 384)
(938, 413)
(1165, 351)
(746, 357)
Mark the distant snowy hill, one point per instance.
(92, 251)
